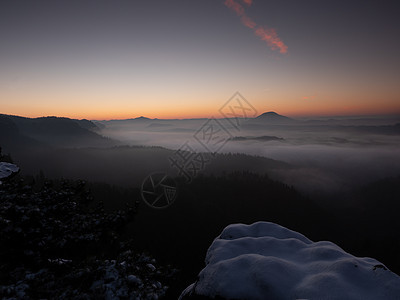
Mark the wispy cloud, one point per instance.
(266, 34)
(248, 22)
(237, 7)
(308, 98)
(271, 37)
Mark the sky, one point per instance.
(118, 59)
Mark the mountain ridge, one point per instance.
(51, 131)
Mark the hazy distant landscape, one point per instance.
(302, 153)
(312, 147)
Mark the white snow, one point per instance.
(7, 169)
(267, 261)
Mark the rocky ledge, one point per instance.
(267, 261)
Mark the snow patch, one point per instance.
(267, 261)
(7, 169)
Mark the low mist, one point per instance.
(325, 156)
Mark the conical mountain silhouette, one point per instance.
(273, 117)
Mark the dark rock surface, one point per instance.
(57, 243)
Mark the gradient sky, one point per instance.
(177, 59)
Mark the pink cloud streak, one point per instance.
(271, 37)
(266, 34)
(236, 7)
(248, 22)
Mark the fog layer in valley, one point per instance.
(326, 155)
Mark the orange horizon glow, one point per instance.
(206, 113)
(186, 104)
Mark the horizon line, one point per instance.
(302, 116)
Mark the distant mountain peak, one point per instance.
(274, 117)
(270, 113)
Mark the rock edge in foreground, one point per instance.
(267, 261)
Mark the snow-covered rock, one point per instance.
(7, 169)
(267, 261)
